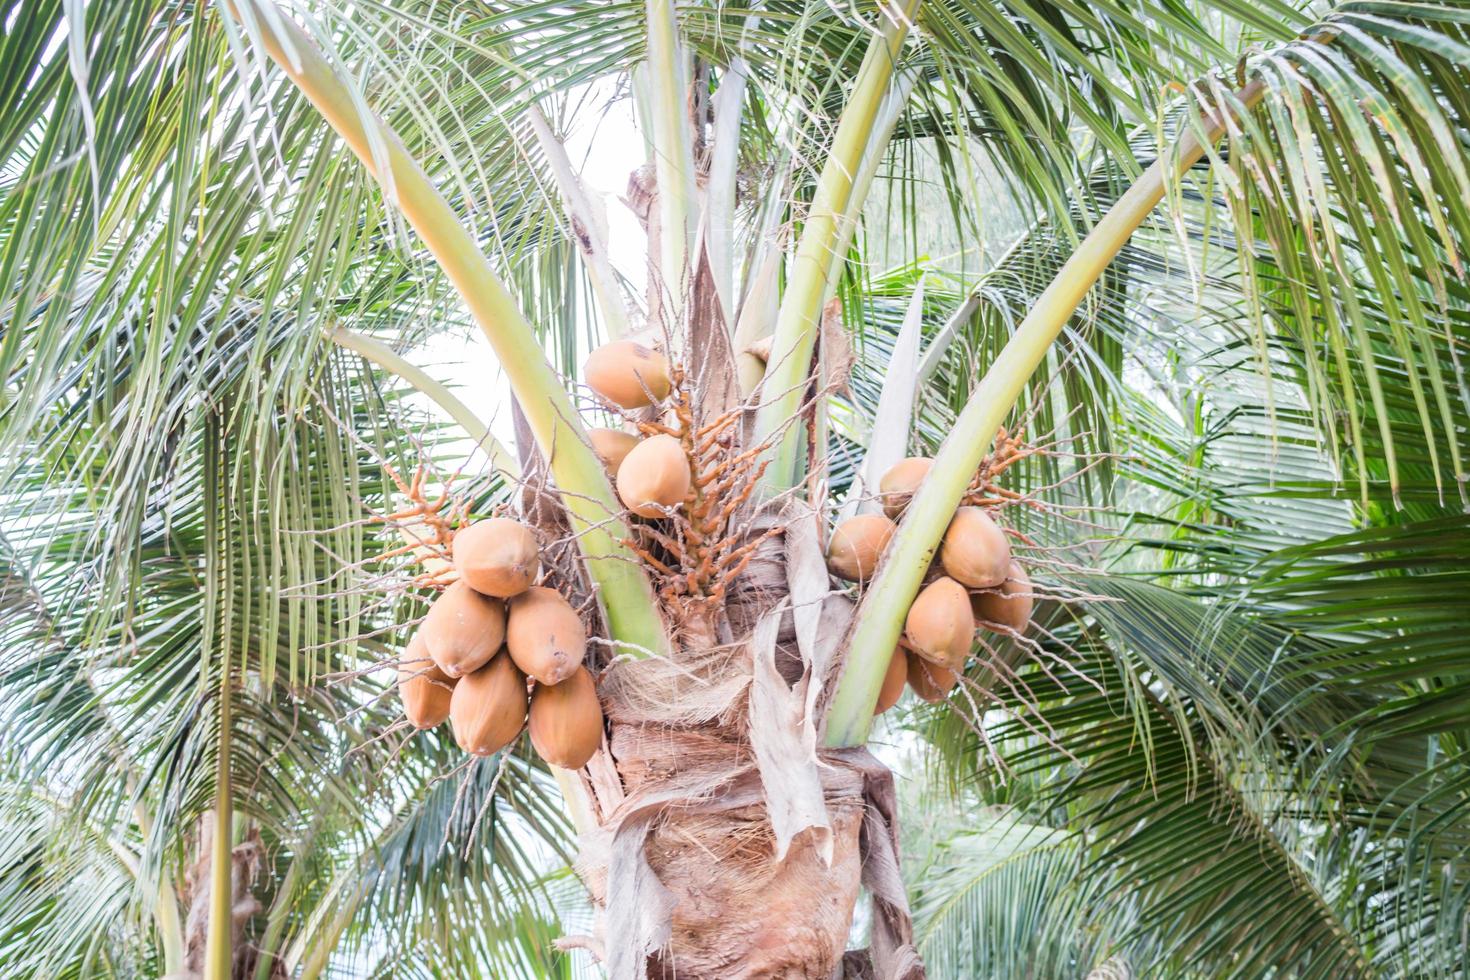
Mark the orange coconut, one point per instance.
(611, 446)
(1009, 606)
(566, 720)
(975, 551)
(940, 627)
(857, 544)
(654, 476)
(463, 629)
(930, 681)
(497, 557)
(762, 348)
(896, 487)
(628, 374)
(424, 688)
(545, 636)
(488, 709)
(892, 688)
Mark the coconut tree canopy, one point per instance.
(1166, 300)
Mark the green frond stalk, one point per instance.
(756, 314)
(165, 904)
(667, 83)
(170, 927)
(276, 921)
(728, 105)
(218, 954)
(813, 267)
(384, 357)
(879, 620)
(888, 116)
(627, 600)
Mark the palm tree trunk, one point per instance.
(221, 903)
(697, 889)
(725, 846)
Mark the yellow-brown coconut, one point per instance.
(940, 627)
(424, 688)
(897, 486)
(975, 551)
(611, 446)
(489, 707)
(654, 476)
(566, 720)
(463, 629)
(857, 544)
(628, 374)
(497, 557)
(1008, 607)
(930, 681)
(545, 636)
(892, 689)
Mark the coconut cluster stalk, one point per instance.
(623, 590)
(813, 267)
(879, 620)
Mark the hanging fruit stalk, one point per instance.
(880, 616)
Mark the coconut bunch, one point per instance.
(492, 635)
(975, 583)
(650, 469)
(681, 477)
(497, 652)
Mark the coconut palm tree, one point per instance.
(1210, 384)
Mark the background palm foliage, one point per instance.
(1245, 752)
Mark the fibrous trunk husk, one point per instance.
(727, 845)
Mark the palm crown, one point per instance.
(1232, 746)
